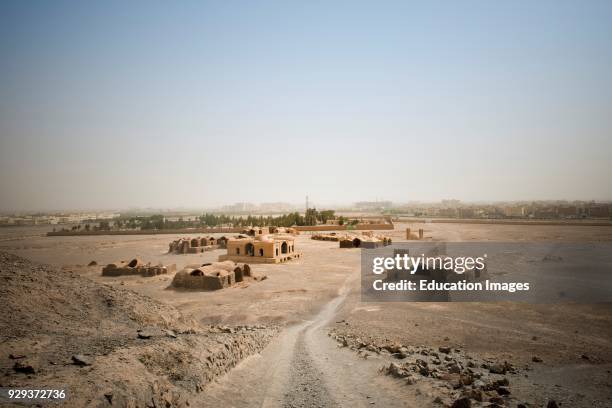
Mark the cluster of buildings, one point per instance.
(233, 267)
(263, 208)
(528, 210)
(54, 219)
(257, 245)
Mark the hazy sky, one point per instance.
(164, 104)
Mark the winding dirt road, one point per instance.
(303, 367)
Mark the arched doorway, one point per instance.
(250, 249)
(356, 242)
(284, 248)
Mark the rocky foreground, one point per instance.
(449, 376)
(107, 346)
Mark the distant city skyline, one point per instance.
(257, 208)
(114, 105)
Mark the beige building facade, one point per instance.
(264, 249)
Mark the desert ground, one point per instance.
(308, 339)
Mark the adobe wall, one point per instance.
(237, 230)
(358, 227)
(123, 269)
(229, 230)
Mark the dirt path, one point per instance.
(303, 367)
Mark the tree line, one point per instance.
(159, 222)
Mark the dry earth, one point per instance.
(107, 346)
(313, 298)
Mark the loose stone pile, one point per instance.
(463, 380)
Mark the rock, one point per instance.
(504, 382)
(495, 385)
(466, 379)
(462, 402)
(410, 380)
(424, 371)
(474, 394)
(500, 368)
(497, 369)
(444, 349)
(372, 348)
(403, 353)
(397, 371)
(24, 367)
(552, 404)
(536, 359)
(81, 360)
(585, 357)
(109, 397)
(92, 263)
(16, 356)
(170, 333)
(479, 384)
(393, 348)
(502, 391)
(146, 334)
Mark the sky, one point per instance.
(197, 104)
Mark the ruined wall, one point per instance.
(358, 227)
(136, 267)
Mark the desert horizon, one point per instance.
(306, 204)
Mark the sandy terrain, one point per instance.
(105, 346)
(319, 294)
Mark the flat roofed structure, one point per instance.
(264, 249)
